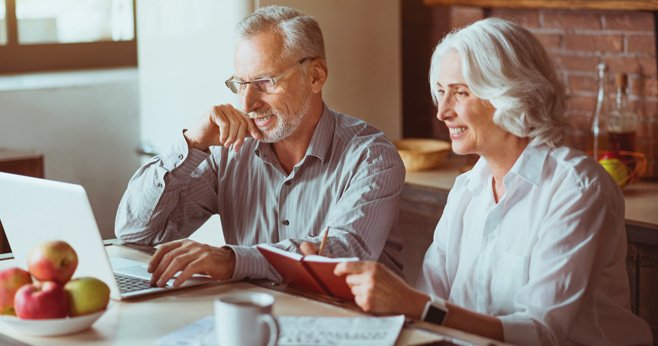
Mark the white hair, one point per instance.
(301, 34)
(505, 64)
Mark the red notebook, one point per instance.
(315, 273)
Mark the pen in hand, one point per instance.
(324, 241)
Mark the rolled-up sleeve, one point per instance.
(150, 210)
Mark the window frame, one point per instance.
(21, 58)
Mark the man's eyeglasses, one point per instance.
(265, 85)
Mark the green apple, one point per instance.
(87, 295)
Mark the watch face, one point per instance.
(435, 315)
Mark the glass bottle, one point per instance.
(622, 121)
(599, 122)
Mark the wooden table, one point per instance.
(144, 320)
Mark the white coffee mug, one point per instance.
(245, 318)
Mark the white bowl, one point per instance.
(50, 327)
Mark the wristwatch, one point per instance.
(435, 311)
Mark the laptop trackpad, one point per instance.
(130, 268)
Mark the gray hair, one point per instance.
(301, 33)
(504, 63)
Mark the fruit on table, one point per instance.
(53, 261)
(11, 279)
(41, 300)
(87, 295)
(616, 169)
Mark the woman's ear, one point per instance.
(319, 74)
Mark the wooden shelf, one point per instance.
(626, 5)
(21, 162)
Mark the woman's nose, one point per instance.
(444, 108)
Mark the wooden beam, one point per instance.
(627, 5)
(11, 23)
(67, 56)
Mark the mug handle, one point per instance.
(273, 326)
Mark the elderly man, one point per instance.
(280, 170)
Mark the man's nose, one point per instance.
(250, 99)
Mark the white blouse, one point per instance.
(548, 260)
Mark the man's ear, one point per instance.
(318, 74)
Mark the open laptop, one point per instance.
(35, 210)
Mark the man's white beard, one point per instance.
(285, 126)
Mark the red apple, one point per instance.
(87, 295)
(11, 280)
(42, 300)
(53, 261)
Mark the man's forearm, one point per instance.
(135, 214)
(151, 201)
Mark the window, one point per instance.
(3, 30)
(38, 35)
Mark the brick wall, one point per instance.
(577, 40)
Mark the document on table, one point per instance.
(303, 330)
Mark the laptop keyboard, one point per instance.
(131, 284)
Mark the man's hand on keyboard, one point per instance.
(189, 257)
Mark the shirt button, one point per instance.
(287, 182)
(159, 184)
(286, 222)
(257, 152)
(180, 156)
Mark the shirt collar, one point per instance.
(528, 166)
(479, 174)
(320, 142)
(323, 135)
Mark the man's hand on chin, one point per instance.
(189, 257)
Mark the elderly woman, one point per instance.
(531, 246)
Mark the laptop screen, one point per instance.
(34, 210)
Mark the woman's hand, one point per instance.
(378, 290)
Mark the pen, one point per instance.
(323, 242)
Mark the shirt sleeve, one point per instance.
(359, 222)
(169, 197)
(581, 236)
